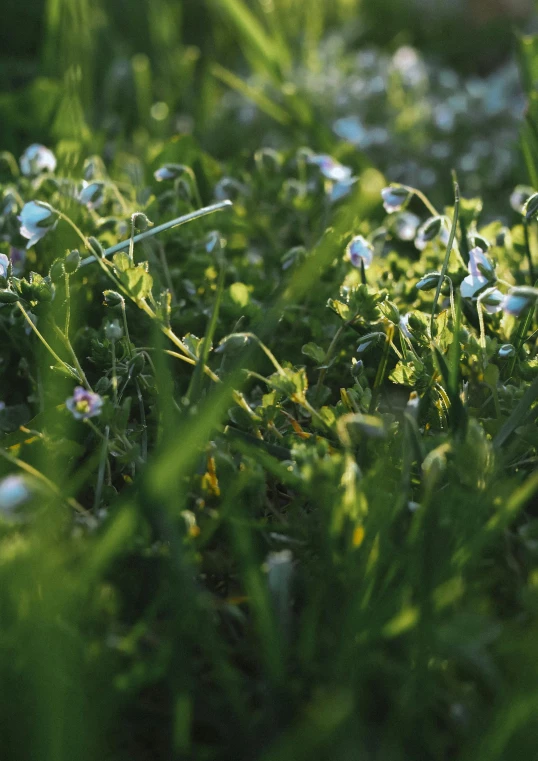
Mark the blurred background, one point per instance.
(113, 61)
(114, 76)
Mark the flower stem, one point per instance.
(528, 250)
(46, 481)
(447, 254)
(72, 372)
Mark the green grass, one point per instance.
(298, 527)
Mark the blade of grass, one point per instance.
(264, 51)
(173, 223)
(518, 416)
(264, 103)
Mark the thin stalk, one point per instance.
(72, 372)
(142, 410)
(67, 305)
(155, 230)
(380, 375)
(363, 274)
(101, 470)
(51, 486)
(114, 374)
(67, 343)
(326, 360)
(528, 250)
(419, 194)
(452, 306)
(447, 254)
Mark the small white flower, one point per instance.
(330, 168)
(359, 251)
(37, 158)
(481, 273)
(36, 219)
(480, 265)
(471, 285)
(520, 196)
(406, 225)
(404, 325)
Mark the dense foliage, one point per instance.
(268, 420)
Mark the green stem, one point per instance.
(154, 230)
(67, 343)
(67, 305)
(382, 368)
(419, 194)
(72, 372)
(101, 471)
(447, 254)
(528, 250)
(326, 360)
(51, 486)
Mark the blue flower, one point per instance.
(492, 299)
(359, 251)
(4, 264)
(518, 299)
(35, 159)
(330, 168)
(394, 197)
(341, 189)
(168, 172)
(92, 194)
(350, 128)
(84, 404)
(14, 492)
(36, 219)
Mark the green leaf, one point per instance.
(315, 352)
(240, 294)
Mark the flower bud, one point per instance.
(72, 261)
(507, 351)
(8, 297)
(140, 221)
(113, 331)
(530, 207)
(428, 231)
(95, 247)
(57, 270)
(429, 281)
(137, 365)
(112, 298)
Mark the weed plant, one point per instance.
(267, 454)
